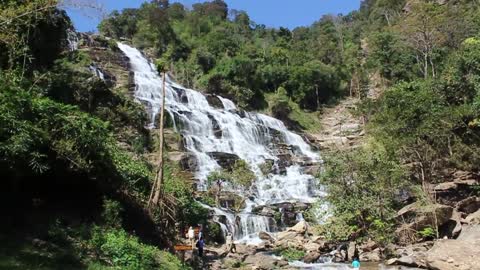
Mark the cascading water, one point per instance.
(253, 137)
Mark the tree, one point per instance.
(422, 30)
(158, 185)
(390, 55)
(313, 84)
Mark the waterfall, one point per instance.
(253, 137)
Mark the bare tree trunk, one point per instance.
(159, 179)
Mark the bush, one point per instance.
(291, 254)
(112, 213)
(124, 251)
(427, 233)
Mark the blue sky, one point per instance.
(273, 13)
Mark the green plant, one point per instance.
(427, 233)
(291, 254)
(112, 211)
(124, 251)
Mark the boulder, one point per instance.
(266, 236)
(261, 261)
(217, 130)
(189, 163)
(453, 227)
(300, 228)
(286, 235)
(214, 101)
(311, 247)
(418, 217)
(311, 257)
(225, 160)
(368, 246)
(473, 219)
(462, 253)
(404, 261)
(372, 256)
(469, 205)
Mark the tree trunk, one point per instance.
(159, 179)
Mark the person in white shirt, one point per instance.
(191, 236)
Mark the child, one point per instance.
(356, 264)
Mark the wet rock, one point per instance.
(225, 160)
(182, 94)
(214, 101)
(189, 163)
(217, 130)
(311, 257)
(266, 236)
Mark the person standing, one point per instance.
(356, 264)
(230, 244)
(200, 246)
(191, 237)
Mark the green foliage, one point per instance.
(240, 175)
(191, 212)
(291, 254)
(359, 206)
(427, 233)
(111, 214)
(124, 251)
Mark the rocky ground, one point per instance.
(340, 128)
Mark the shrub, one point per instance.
(124, 251)
(291, 254)
(427, 233)
(112, 213)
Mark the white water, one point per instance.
(250, 136)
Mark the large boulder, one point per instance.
(261, 261)
(372, 256)
(225, 160)
(311, 257)
(459, 254)
(214, 101)
(417, 217)
(300, 228)
(266, 236)
(473, 219)
(189, 163)
(469, 205)
(311, 247)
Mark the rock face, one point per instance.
(225, 160)
(418, 217)
(462, 253)
(473, 219)
(469, 205)
(214, 101)
(189, 162)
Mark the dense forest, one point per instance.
(76, 156)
